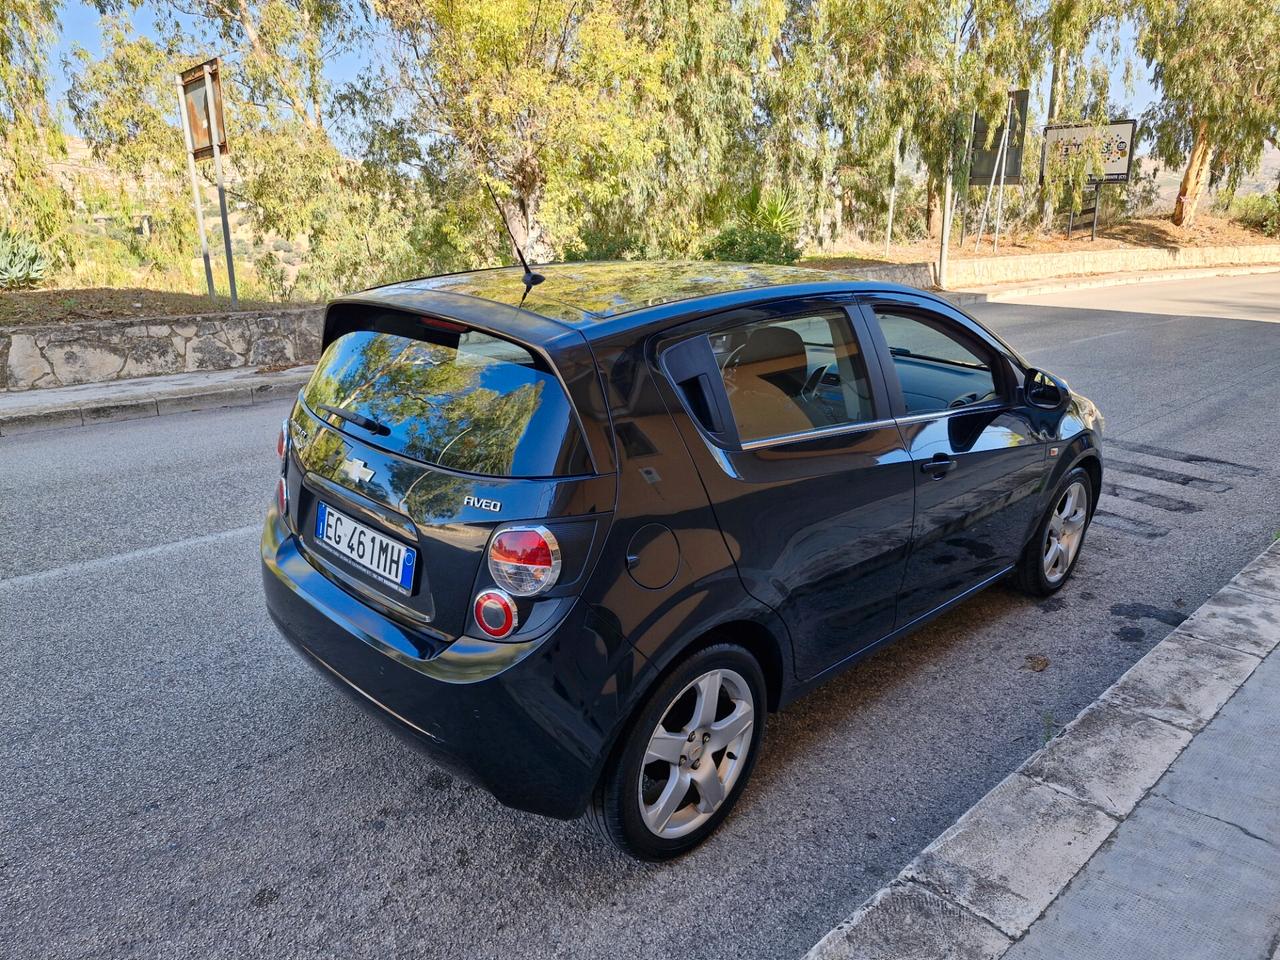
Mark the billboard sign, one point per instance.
(982, 160)
(1113, 142)
(196, 104)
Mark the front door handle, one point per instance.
(938, 465)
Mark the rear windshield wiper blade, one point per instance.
(359, 419)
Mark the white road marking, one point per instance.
(99, 563)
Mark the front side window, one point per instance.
(793, 375)
(937, 369)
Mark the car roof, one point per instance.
(598, 299)
(584, 294)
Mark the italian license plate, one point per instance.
(385, 558)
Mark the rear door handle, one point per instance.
(938, 465)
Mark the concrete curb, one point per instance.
(1016, 291)
(979, 887)
(93, 403)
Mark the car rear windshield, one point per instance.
(464, 400)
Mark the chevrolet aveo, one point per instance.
(577, 540)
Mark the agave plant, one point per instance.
(21, 262)
(775, 210)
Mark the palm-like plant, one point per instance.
(21, 262)
(775, 210)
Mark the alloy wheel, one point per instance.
(696, 753)
(1065, 532)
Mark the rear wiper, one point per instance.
(359, 419)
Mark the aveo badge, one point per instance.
(480, 503)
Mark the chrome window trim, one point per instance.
(834, 430)
(976, 408)
(843, 428)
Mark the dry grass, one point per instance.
(1206, 231)
(25, 307)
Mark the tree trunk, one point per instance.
(521, 214)
(932, 209)
(1056, 94)
(1193, 179)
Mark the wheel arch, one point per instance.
(766, 641)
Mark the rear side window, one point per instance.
(462, 400)
(793, 374)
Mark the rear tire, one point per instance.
(1054, 549)
(686, 756)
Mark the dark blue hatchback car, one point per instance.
(577, 540)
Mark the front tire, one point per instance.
(686, 757)
(1051, 555)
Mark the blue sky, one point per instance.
(80, 28)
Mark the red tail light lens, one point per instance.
(282, 496)
(495, 613)
(524, 561)
(282, 441)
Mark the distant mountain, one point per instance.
(1168, 179)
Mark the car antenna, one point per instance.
(531, 279)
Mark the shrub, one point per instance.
(1259, 211)
(22, 264)
(752, 243)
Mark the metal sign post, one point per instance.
(200, 102)
(997, 170)
(195, 189)
(995, 241)
(222, 193)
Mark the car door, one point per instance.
(978, 457)
(788, 421)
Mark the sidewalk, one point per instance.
(1149, 830)
(89, 403)
(1035, 288)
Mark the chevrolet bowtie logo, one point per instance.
(356, 470)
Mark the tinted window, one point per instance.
(938, 370)
(793, 374)
(470, 402)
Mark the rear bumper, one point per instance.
(530, 722)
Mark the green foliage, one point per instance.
(31, 199)
(774, 211)
(751, 243)
(22, 264)
(1258, 211)
(1217, 63)
(552, 104)
(605, 128)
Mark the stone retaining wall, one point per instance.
(59, 355)
(962, 274)
(912, 274)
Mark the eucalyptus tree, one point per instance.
(709, 151)
(948, 59)
(1079, 84)
(550, 104)
(31, 199)
(359, 222)
(1217, 64)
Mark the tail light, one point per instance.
(495, 613)
(524, 561)
(282, 496)
(282, 441)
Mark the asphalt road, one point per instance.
(175, 782)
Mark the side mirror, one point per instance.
(1045, 391)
